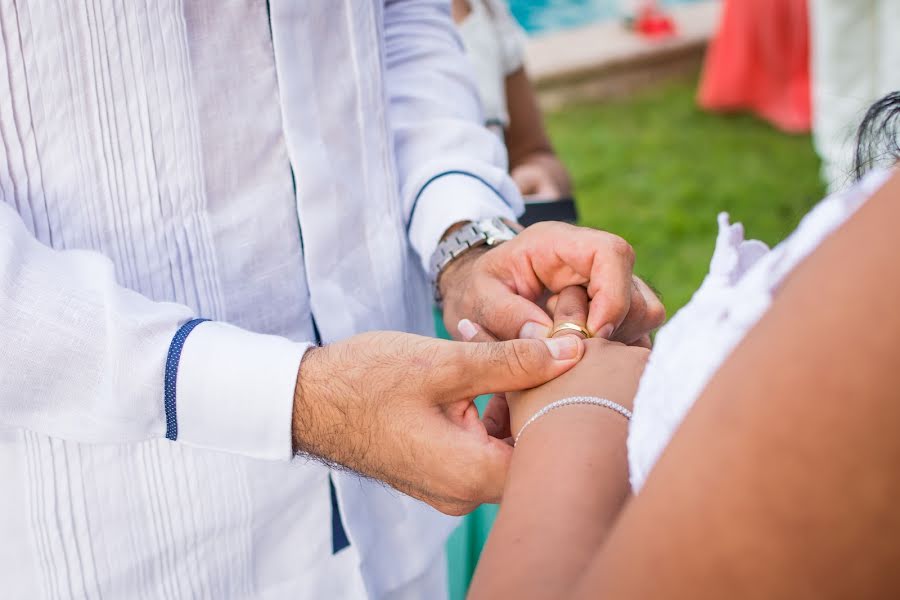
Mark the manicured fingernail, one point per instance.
(563, 348)
(467, 329)
(533, 331)
(606, 331)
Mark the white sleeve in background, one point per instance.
(451, 167)
(510, 34)
(855, 61)
(83, 359)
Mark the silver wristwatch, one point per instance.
(487, 232)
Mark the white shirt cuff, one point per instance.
(235, 391)
(451, 198)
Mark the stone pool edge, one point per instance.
(605, 60)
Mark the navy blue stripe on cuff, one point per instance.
(412, 211)
(172, 360)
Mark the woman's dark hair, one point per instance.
(878, 139)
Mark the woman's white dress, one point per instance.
(737, 292)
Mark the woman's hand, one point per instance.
(608, 370)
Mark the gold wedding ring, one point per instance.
(569, 326)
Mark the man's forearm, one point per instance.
(322, 427)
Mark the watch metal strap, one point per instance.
(466, 237)
(488, 232)
(471, 235)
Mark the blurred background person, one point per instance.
(855, 59)
(759, 61)
(495, 43)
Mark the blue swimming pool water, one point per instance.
(539, 16)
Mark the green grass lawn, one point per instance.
(657, 170)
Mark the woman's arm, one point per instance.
(570, 462)
(783, 480)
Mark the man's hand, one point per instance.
(398, 407)
(501, 288)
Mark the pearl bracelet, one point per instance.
(574, 401)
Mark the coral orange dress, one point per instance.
(760, 61)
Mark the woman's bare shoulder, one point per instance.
(788, 463)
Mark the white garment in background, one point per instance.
(495, 44)
(743, 278)
(166, 160)
(855, 61)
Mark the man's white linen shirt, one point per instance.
(278, 168)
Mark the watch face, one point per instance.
(496, 231)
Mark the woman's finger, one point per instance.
(496, 417)
(571, 308)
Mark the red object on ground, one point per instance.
(651, 21)
(760, 61)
